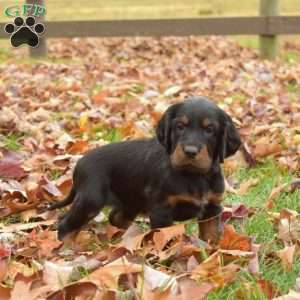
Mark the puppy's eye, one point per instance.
(180, 127)
(209, 129)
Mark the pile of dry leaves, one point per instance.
(51, 113)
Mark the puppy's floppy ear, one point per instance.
(230, 140)
(164, 127)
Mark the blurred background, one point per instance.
(132, 9)
(69, 10)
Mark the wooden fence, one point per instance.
(268, 25)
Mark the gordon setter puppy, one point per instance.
(174, 176)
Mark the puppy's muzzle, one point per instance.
(190, 151)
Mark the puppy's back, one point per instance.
(120, 162)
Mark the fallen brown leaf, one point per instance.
(288, 226)
(159, 280)
(22, 290)
(287, 257)
(46, 241)
(133, 238)
(108, 275)
(3, 268)
(60, 274)
(236, 211)
(77, 290)
(246, 185)
(77, 147)
(265, 149)
(164, 235)
(5, 293)
(286, 187)
(210, 270)
(190, 289)
(292, 295)
(231, 240)
(253, 266)
(11, 167)
(26, 226)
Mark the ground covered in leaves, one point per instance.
(96, 91)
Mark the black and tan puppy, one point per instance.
(172, 177)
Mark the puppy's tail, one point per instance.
(65, 202)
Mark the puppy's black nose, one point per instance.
(190, 151)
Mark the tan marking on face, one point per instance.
(178, 157)
(195, 200)
(215, 198)
(203, 159)
(205, 123)
(184, 119)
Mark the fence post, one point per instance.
(268, 44)
(41, 50)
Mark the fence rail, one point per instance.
(176, 27)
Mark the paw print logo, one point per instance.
(27, 32)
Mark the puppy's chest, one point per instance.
(195, 191)
(198, 199)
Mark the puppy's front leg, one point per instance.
(210, 225)
(161, 216)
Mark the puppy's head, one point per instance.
(196, 133)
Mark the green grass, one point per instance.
(231, 292)
(12, 141)
(12, 219)
(108, 134)
(5, 52)
(112, 135)
(293, 88)
(55, 174)
(261, 228)
(252, 42)
(7, 55)
(291, 55)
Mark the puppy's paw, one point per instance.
(63, 231)
(117, 219)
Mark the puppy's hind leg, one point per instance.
(86, 206)
(68, 200)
